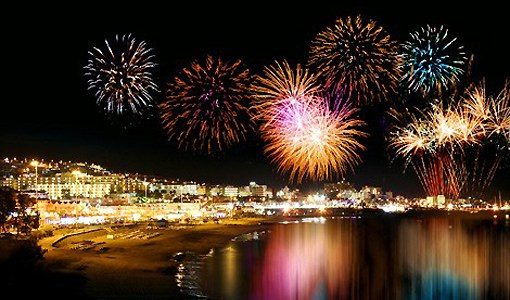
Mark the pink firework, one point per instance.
(304, 138)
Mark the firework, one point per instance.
(446, 144)
(120, 75)
(430, 143)
(484, 159)
(304, 138)
(499, 123)
(307, 140)
(413, 139)
(431, 60)
(427, 143)
(451, 127)
(358, 56)
(494, 112)
(280, 83)
(207, 105)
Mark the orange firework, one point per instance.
(499, 108)
(281, 83)
(207, 106)
(303, 137)
(493, 113)
(493, 135)
(444, 144)
(413, 139)
(359, 56)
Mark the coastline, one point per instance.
(135, 268)
(131, 266)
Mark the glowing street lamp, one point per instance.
(76, 174)
(35, 164)
(145, 184)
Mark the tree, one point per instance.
(7, 206)
(25, 219)
(66, 194)
(156, 194)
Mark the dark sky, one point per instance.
(47, 112)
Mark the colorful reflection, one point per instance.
(372, 258)
(304, 262)
(448, 259)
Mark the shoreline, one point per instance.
(140, 261)
(135, 268)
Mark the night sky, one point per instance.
(48, 113)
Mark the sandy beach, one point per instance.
(138, 262)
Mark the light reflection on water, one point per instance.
(389, 258)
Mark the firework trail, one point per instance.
(499, 115)
(425, 144)
(445, 144)
(431, 60)
(358, 56)
(304, 138)
(485, 157)
(207, 105)
(120, 75)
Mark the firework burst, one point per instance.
(446, 144)
(280, 83)
(304, 138)
(500, 114)
(413, 139)
(431, 60)
(359, 56)
(120, 75)
(493, 112)
(308, 141)
(207, 105)
(451, 128)
(485, 158)
(426, 143)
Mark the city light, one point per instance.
(87, 194)
(335, 150)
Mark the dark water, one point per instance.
(365, 258)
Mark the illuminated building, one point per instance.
(66, 180)
(190, 188)
(66, 185)
(202, 189)
(284, 193)
(339, 190)
(441, 200)
(231, 191)
(257, 190)
(244, 191)
(215, 191)
(178, 188)
(269, 193)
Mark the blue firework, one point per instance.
(432, 60)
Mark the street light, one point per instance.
(145, 184)
(75, 174)
(35, 164)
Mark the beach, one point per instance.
(141, 260)
(133, 264)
